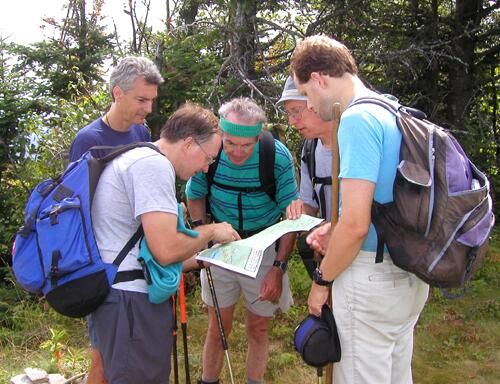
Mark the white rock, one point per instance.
(37, 375)
(20, 379)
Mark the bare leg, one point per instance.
(257, 328)
(213, 352)
(96, 371)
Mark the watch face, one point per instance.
(316, 275)
(280, 264)
(318, 278)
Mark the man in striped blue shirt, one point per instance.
(235, 196)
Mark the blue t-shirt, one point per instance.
(99, 133)
(369, 143)
(259, 211)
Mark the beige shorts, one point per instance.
(229, 286)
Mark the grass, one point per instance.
(456, 341)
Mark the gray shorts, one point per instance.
(229, 286)
(134, 338)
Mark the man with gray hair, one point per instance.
(237, 194)
(133, 86)
(315, 194)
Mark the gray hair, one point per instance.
(129, 69)
(246, 109)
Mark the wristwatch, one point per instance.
(318, 278)
(196, 223)
(283, 265)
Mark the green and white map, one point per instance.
(244, 256)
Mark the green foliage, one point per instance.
(416, 52)
(45, 155)
(78, 52)
(55, 344)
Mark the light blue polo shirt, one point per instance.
(369, 143)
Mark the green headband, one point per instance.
(239, 129)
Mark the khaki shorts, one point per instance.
(229, 286)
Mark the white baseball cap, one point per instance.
(290, 92)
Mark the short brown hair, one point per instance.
(190, 120)
(321, 54)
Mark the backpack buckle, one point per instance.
(54, 210)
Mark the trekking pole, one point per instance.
(174, 343)
(335, 201)
(182, 307)
(219, 321)
(319, 372)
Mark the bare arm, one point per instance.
(169, 246)
(197, 209)
(271, 286)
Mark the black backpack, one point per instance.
(439, 223)
(309, 158)
(266, 176)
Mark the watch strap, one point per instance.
(318, 278)
(283, 265)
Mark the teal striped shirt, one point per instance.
(259, 211)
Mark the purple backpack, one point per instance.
(439, 224)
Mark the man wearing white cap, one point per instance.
(236, 195)
(316, 163)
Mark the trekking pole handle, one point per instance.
(182, 300)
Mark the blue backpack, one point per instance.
(55, 251)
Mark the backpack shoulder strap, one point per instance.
(117, 151)
(267, 155)
(212, 169)
(96, 165)
(309, 157)
(390, 106)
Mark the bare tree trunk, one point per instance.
(131, 12)
(462, 71)
(188, 13)
(82, 35)
(243, 40)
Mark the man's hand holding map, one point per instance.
(244, 256)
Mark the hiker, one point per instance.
(376, 306)
(315, 192)
(135, 336)
(133, 86)
(249, 210)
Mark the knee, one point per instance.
(257, 332)
(213, 333)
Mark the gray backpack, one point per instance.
(439, 224)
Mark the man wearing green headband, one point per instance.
(237, 197)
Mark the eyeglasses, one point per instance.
(296, 113)
(210, 159)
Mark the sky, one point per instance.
(21, 20)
